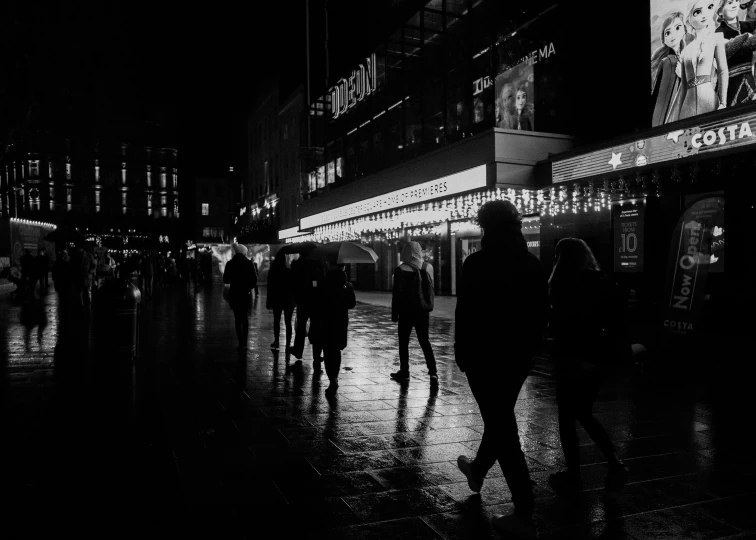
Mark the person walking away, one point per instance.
(43, 268)
(584, 304)
(280, 298)
(330, 321)
(307, 275)
(411, 304)
(148, 274)
(61, 274)
(28, 272)
(501, 313)
(238, 274)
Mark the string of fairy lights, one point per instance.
(431, 218)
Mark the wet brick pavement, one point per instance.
(231, 445)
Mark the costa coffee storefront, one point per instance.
(658, 209)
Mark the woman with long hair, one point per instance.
(580, 300)
(704, 69)
(740, 45)
(666, 88)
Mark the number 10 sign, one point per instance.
(628, 220)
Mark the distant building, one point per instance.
(213, 210)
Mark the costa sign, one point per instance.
(680, 144)
(350, 91)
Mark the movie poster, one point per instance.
(687, 38)
(515, 97)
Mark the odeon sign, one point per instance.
(349, 92)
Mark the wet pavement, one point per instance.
(246, 445)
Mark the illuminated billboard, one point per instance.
(734, 132)
(514, 98)
(702, 57)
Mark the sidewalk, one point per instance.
(443, 305)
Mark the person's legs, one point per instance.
(405, 329)
(276, 326)
(299, 338)
(496, 397)
(422, 325)
(332, 360)
(288, 312)
(566, 399)
(587, 392)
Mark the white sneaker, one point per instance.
(465, 465)
(513, 525)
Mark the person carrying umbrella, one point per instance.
(330, 321)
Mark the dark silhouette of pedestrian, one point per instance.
(330, 320)
(502, 311)
(584, 311)
(413, 279)
(239, 275)
(147, 273)
(43, 268)
(82, 267)
(28, 272)
(307, 275)
(280, 298)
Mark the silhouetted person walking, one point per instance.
(330, 320)
(239, 275)
(411, 304)
(307, 276)
(280, 298)
(43, 268)
(585, 310)
(502, 310)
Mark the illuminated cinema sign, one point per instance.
(449, 185)
(679, 144)
(349, 92)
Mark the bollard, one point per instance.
(117, 340)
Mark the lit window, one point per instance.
(175, 179)
(163, 200)
(34, 168)
(205, 209)
(97, 173)
(123, 173)
(149, 177)
(162, 178)
(97, 197)
(124, 210)
(123, 199)
(163, 211)
(68, 171)
(68, 196)
(49, 169)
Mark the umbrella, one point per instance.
(348, 252)
(64, 235)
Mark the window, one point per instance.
(162, 178)
(123, 173)
(205, 209)
(175, 179)
(97, 172)
(68, 171)
(34, 168)
(163, 211)
(149, 177)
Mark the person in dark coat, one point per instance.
(502, 311)
(28, 271)
(307, 275)
(43, 268)
(280, 298)
(330, 321)
(239, 275)
(584, 303)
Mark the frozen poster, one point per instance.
(515, 97)
(702, 57)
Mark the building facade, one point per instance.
(101, 188)
(213, 210)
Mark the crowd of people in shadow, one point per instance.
(506, 305)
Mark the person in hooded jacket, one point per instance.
(501, 314)
(330, 321)
(586, 310)
(239, 274)
(408, 315)
(280, 298)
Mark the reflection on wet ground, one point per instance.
(231, 445)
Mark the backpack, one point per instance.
(421, 291)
